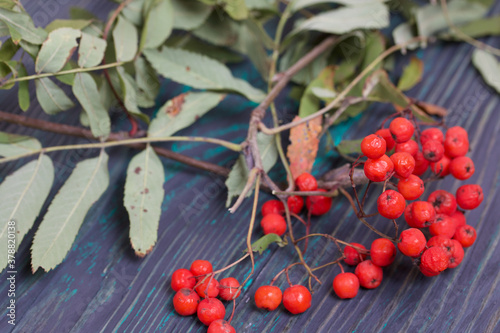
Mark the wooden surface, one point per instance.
(103, 287)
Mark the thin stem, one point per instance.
(333, 193)
(246, 189)
(328, 264)
(335, 240)
(232, 264)
(282, 271)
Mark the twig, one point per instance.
(246, 189)
(347, 102)
(333, 193)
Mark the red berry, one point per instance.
(432, 133)
(457, 131)
(228, 287)
(459, 218)
(306, 182)
(433, 151)
(220, 326)
(201, 267)
(442, 241)
(404, 164)
(380, 169)
(318, 204)
(268, 297)
(391, 204)
(457, 254)
(369, 275)
(297, 299)
(444, 202)
(411, 188)
(295, 204)
(383, 252)
(469, 196)
(444, 226)
(186, 302)
(420, 214)
(273, 224)
(434, 260)
(210, 310)
(386, 134)
(421, 164)
(401, 129)
(373, 146)
(182, 278)
(411, 242)
(410, 147)
(208, 288)
(272, 207)
(441, 167)
(462, 167)
(352, 256)
(346, 285)
(465, 235)
(455, 145)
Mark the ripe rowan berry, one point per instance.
(391, 204)
(346, 285)
(273, 224)
(318, 204)
(295, 204)
(421, 164)
(220, 326)
(386, 134)
(306, 182)
(186, 302)
(208, 288)
(228, 288)
(444, 226)
(210, 310)
(373, 146)
(459, 218)
(352, 256)
(465, 235)
(410, 146)
(297, 299)
(469, 196)
(441, 167)
(443, 202)
(401, 129)
(411, 242)
(378, 170)
(432, 133)
(404, 164)
(434, 260)
(201, 267)
(369, 275)
(457, 131)
(420, 214)
(268, 297)
(455, 145)
(182, 278)
(383, 252)
(411, 188)
(272, 207)
(433, 150)
(442, 241)
(462, 167)
(457, 254)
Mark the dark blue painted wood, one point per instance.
(103, 287)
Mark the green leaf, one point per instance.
(57, 50)
(85, 90)
(23, 94)
(189, 14)
(74, 24)
(263, 243)
(489, 26)
(13, 144)
(67, 78)
(143, 198)
(252, 46)
(21, 27)
(412, 74)
(125, 39)
(237, 9)
(402, 34)
(200, 72)
(218, 30)
(300, 4)
(91, 51)
(31, 49)
(159, 24)
(195, 45)
(8, 50)
(23, 194)
(346, 147)
(52, 99)
(129, 90)
(66, 213)
(134, 12)
(148, 84)
(238, 176)
(182, 111)
(268, 5)
(8, 4)
(309, 103)
(488, 66)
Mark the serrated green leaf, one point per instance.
(74, 24)
(309, 103)
(57, 50)
(129, 91)
(125, 39)
(300, 4)
(8, 67)
(91, 50)
(238, 176)
(85, 90)
(23, 194)
(199, 71)
(346, 147)
(13, 144)
(106, 95)
(489, 26)
(23, 94)
(143, 198)
(252, 46)
(412, 74)
(21, 26)
(148, 84)
(52, 99)
(79, 13)
(31, 49)
(159, 24)
(8, 50)
(189, 14)
(134, 12)
(263, 243)
(67, 78)
(237, 9)
(182, 111)
(488, 66)
(67, 211)
(195, 45)
(218, 30)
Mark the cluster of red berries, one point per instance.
(296, 298)
(197, 290)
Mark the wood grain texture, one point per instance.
(103, 287)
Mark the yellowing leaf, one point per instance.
(303, 146)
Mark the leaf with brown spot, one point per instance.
(304, 146)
